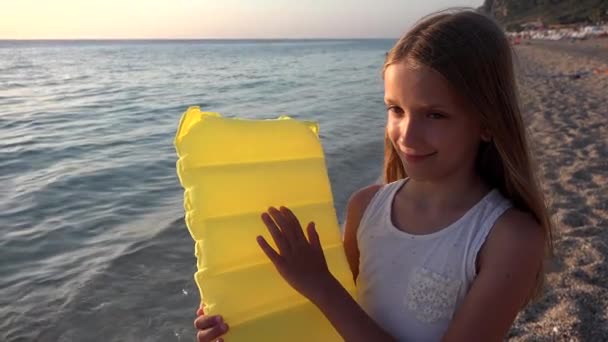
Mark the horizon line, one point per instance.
(191, 39)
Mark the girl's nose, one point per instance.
(409, 131)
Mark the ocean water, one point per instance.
(93, 246)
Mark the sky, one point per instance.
(213, 19)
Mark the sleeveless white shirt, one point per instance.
(412, 285)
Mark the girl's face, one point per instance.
(433, 130)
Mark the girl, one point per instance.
(451, 246)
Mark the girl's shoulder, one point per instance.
(357, 204)
(361, 198)
(516, 242)
(516, 230)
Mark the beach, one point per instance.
(563, 88)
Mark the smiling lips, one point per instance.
(415, 158)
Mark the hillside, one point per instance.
(550, 12)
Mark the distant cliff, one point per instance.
(549, 12)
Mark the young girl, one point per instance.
(451, 246)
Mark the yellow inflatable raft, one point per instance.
(232, 170)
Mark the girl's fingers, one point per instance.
(284, 224)
(313, 237)
(210, 335)
(295, 223)
(277, 235)
(201, 310)
(270, 252)
(206, 322)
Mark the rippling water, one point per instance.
(92, 241)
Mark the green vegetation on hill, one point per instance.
(549, 12)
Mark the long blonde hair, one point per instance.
(472, 53)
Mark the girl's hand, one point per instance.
(300, 261)
(210, 328)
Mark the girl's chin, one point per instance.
(419, 172)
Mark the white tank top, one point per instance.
(412, 285)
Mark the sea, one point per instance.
(93, 245)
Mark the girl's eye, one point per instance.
(436, 116)
(394, 110)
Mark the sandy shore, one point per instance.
(564, 89)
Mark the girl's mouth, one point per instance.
(415, 158)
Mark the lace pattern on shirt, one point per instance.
(431, 296)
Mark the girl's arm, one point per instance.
(347, 317)
(337, 305)
(355, 208)
(302, 264)
(509, 263)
